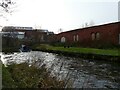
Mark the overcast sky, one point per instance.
(65, 14)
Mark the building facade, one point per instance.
(29, 34)
(107, 34)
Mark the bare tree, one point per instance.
(6, 5)
(86, 24)
(6, 8)
(60, 30)
(91, 23)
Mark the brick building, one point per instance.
(107, 34)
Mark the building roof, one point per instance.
(91, 27)
(16, 27)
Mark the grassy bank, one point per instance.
(25, 76)
(111, 52)
(82, 52)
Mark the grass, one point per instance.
(110, 52)
(25, 76)
(7, 80)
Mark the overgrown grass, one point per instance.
(110, 52)
(25, 76)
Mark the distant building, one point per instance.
(28, 33)
(19, 35)
(10, 28)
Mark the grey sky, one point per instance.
(65, 14)
(99, 12)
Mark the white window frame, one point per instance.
(74, 38)
(77, 37)
(98, 36)
(93, 36)
(119, 38)
(63, 39)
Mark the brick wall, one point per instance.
(108, 34)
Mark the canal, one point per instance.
(77, 72)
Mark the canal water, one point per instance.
(77, 72)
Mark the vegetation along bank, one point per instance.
(25, 76)
(86, 53)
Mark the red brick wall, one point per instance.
(108, 34)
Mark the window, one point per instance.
(77, 37)
(97, 36)
(42, 38)
(93, 36)
(63, 39)
(74, 38)
(119, 38)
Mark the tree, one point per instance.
(60, 30)
(6, 7)
(86, 24)
(91, 23)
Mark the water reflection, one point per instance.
(78, 72)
